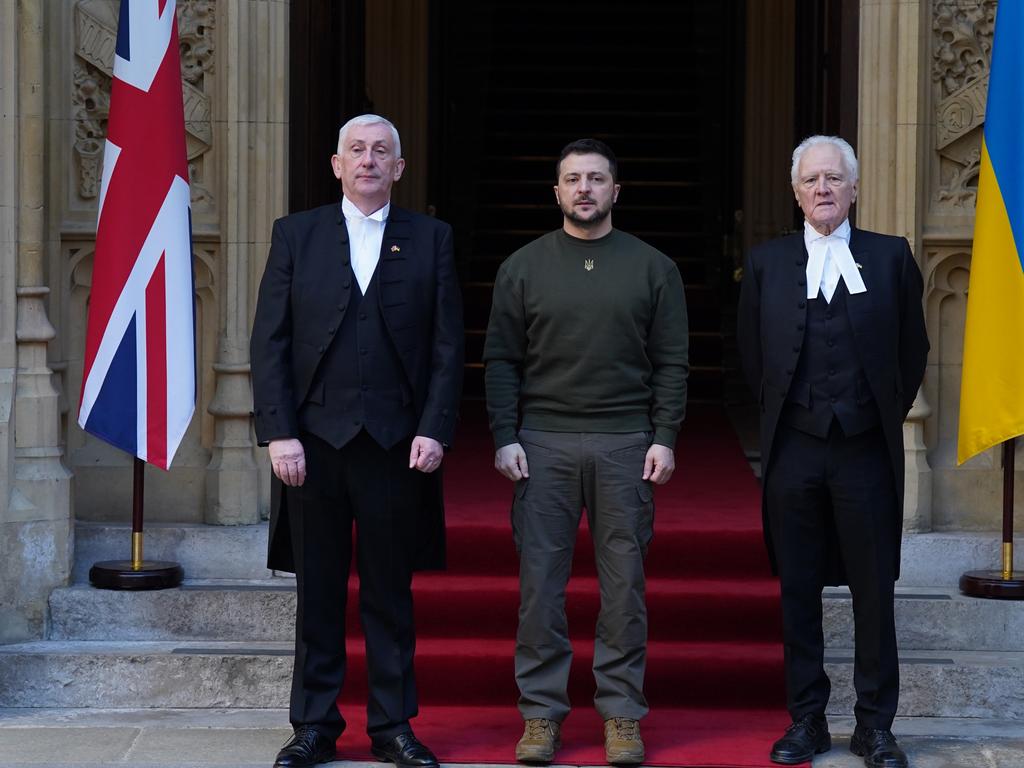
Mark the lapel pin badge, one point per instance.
(395, 249)
(859, 265)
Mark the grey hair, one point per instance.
(370, 120)
(849, 157)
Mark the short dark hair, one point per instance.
(588, 147)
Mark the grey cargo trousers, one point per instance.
(601, 472)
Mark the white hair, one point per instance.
(849, 158)
(370, 120)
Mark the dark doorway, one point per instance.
(825, 76)
(514, 81)
(327, 84)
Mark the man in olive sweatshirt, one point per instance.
(587, 345)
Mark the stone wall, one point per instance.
(923, 74)
(923, 84)
(234, 81)
(955, 78)
(35, 486)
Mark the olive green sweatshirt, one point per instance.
(587, 336)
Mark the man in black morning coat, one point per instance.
(357, 369)
(833, 344)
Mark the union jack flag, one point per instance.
(139, 383)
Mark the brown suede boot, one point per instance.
(622, 742)
(540, 740)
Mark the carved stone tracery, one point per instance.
(95, 33)
(962, 49)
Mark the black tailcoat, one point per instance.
(303, 298)
(888, 327)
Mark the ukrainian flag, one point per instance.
(992, 383)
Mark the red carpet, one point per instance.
(714, 674)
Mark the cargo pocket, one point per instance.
(516, 513)
(645, 518)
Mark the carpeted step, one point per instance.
(695, 737)
(678, 674)
(676, 552)
(678, 610)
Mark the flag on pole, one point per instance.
(139, 382)
(992, 383)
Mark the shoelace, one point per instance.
(885, 737)
(626, 729)
(305, 736)
(804, 722)
(536, 728)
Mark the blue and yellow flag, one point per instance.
(992, 383)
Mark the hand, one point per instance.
(426, 454)
(659, 464)
(288, 459)
(510, 460)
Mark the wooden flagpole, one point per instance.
(136, 573)
(1004, 584)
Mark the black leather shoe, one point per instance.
(405, 751)
(307, 746)
(878, 748)
(804, 739)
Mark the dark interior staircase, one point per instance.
(655, 80)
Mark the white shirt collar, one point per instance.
(348, 208)
(828, 259)
(811, 234)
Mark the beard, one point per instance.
(595, 217)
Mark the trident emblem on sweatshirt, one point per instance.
(588, 264)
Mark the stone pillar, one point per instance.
(9, 614)
(892, 123)
(890, 138)
(36, 535)
(768, 203)
(251, 141)
(917, 484)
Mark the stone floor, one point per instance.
(36, 738)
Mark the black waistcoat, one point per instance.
(829, 381)
(360, 383)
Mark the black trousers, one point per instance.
(847, 483)
(373, 488)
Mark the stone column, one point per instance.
(9, 614)
(890, 138)
(35, 540)
(891, 125)
(251, 118)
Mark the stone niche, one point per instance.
(960, 46)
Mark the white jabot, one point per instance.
(828, 259)
(365, 234)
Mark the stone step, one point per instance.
(933, 619)
(446, 605)
(247, 676)
(239, 552)
(926, 619)
(204, 551)
(247, 738)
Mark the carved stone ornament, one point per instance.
(962, 51)
(95, 33)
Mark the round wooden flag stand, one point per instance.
(136, 573)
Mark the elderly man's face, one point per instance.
(586, 190)
(823, 187)
(367, 166)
